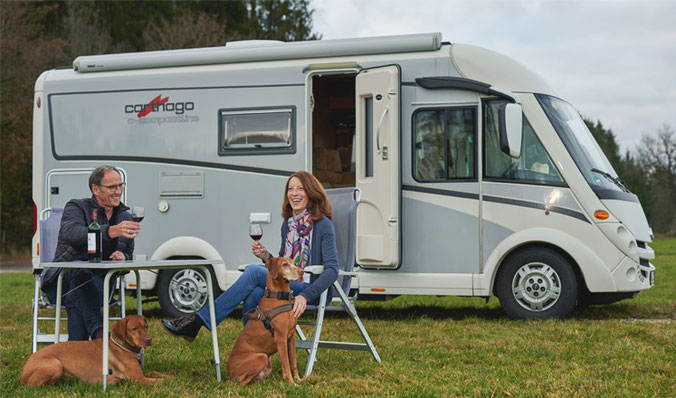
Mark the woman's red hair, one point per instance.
(318, 203)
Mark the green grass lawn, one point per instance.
(430, 346)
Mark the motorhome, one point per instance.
(476, 177)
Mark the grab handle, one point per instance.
(380, 124)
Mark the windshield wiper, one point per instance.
(615, 180)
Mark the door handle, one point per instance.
(380, 124)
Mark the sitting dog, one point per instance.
(271, 329)
(82, 359)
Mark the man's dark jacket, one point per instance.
(72, 243)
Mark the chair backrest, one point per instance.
(49, 234)
(344, 206)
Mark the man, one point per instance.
(83, 287)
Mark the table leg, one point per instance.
(139, 309)
(57, 321)
(36, 298)
(106, 331)
(123, 307)
(212, 315)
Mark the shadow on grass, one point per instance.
(413, 311)
(616, 311)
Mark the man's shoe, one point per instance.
(186, 326)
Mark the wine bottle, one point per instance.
(94, 239)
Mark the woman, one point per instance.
(308, 237)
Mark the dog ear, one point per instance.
(120, 329)
(272, 265)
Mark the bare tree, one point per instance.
(184, 31)
(86, 31)
(26, 49)
(658, 153)
(656, 156)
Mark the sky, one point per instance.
(615, 61)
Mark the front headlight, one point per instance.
(621, 237)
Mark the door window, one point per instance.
(445, 144)
(533, 166)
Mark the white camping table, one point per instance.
(131, 265)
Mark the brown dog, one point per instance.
(268, 330)
(82, 359)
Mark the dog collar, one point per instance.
(125, 346)
(288, 296)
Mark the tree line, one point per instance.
(39, 35)
(36, 36)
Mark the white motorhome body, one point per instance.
(456, 200)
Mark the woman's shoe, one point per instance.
(186, 326)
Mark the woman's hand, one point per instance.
(299, 304)
(260, 251)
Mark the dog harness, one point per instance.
(266, 316)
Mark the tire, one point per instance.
(536, 283)
(184, 291)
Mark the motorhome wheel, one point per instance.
(183, 291)
(536, 283)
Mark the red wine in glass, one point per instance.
(137, 213)
(255, 231)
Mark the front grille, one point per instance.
(644, 262)
(641, 244)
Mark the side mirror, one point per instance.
(510, 122)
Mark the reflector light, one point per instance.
(377, 290)
(601, 214)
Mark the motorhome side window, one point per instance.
(256, 129)
(445, 140)
(533, 166)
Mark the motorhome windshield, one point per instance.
(581, 145)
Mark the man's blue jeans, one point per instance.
(82, 297)
(249, 288)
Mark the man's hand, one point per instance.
(299, 304)
(117, 256)
(128, 229)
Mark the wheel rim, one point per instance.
(188, 290)
(536, 287)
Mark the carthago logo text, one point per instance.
(161, 106)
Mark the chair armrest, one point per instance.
(314, 269)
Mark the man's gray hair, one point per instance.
(96, 176)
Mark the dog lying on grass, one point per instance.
(82, 359)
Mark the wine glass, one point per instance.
(255, 231)
(137, 213)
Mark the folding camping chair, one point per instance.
(344, 205)
(49, 233)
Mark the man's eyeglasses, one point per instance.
(114, 187)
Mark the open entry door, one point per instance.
(377, 154)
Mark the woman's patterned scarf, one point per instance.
(297, 245)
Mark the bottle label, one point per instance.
(91, 242)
